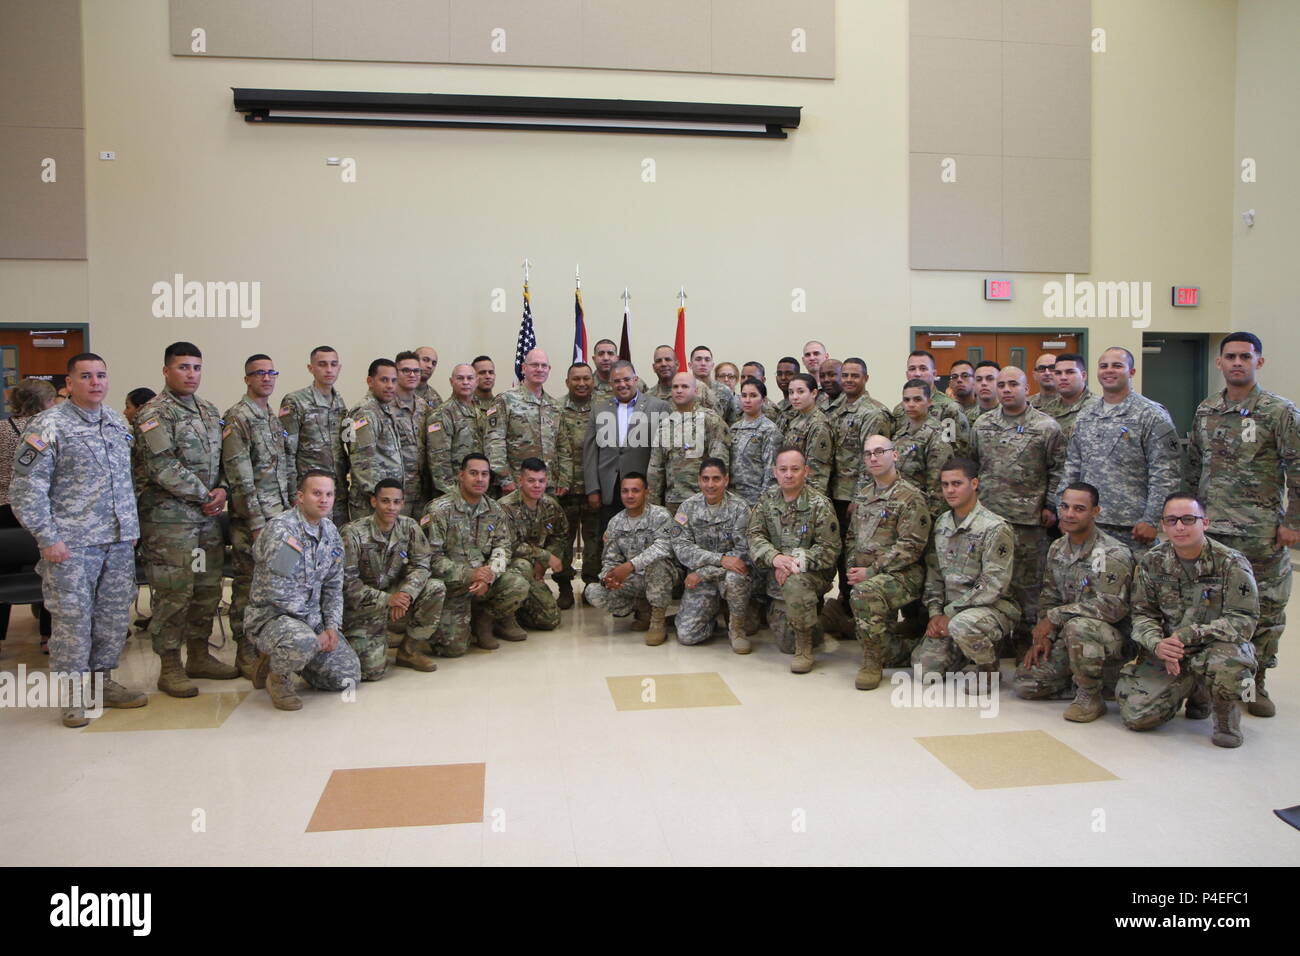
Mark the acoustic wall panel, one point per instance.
(256, 28)
(517, 32)
(1046, 212)
(44, 217)
(963, 19)
(956, 225)
(1046, 101)
(1064, 22)
(635, 35)
(956, 95)
(766, 37)
(40, 63)
(389, 30)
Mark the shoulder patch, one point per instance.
(227, 432)
(149, 425)
(285, 410)
(680, 518)
(434, 427)
(424, 520)
(360, 422)
(294, 543)
(37, 442)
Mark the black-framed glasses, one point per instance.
(264, 373)
(877, 452)
(1187, 520)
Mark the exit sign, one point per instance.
(1187, 295)
(998, 290)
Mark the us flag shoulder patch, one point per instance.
(36, 442)
(149, 425)
(294, 543)
(434, 427)
(285, 410)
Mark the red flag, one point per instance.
(680, 346)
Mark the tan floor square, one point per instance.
(1018, 758)
(401, 797)
(164, 712)
(668, 691)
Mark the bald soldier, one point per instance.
(1045, 376)
(828, 378)
(814, 353)
(664, 363)
(526, 423)
(313, 417)
(428, 357)
(456, 428)
(682, 439)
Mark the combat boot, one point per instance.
(75, 717)
(641, 622)
(565, 599)
(656, 629)
(410, 655)
(1227, 722)
(508, 629)
(483, 630)
(736, 632)
(1198, 702)
(199, 662)
(261, 672)
(246, 658)
(1262, 705)
(751, 620)
(869, 673)
(283, 695)
(115, 695)
(1087, 704)
(803, 652)
(171, 675)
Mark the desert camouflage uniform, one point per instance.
(539, 533)
(452, 432)
(524, 426)
(315, 427)
(922, 453)
(753, 453)
(643, 541)
(374, 441)
(700, 537)
(682, 441)
(811, 433)
(583, 520)
(942, 409)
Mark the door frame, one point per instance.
(1200, 369)
(82, 327)
(1082, 332)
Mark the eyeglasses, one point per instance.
(1188, 520)
(877, 452)
(263, 373)
(409, 371)
(537, 365)
(1043, 368)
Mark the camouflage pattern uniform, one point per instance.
(583, 520)
(661, 391)
(1066, 415)
(297, 594)
(1020, 458)
(539, 533)
(1129, 451)
(315, 427)
(1086, 597)
(727, 401)
(753, 453)
(411, 414)
(374, 440)
(784, 412)
(807, 530)
(968, 578)
(487, 405)
(600, 387)
(853, 423)
(1213, 611)
(700, 537)
(772, 411)
(452, 432)
(259, 470)
(524, 426)
(943, 409)
(887, 535)
(811, 433)
(1241, 483)
(1041, 401)
(706, 396)
(72, 483)
(181, 438)
(375, 567)
(683, 440)
(430, 395)
(922, 453)
(972, 411)
(463, 537)
(643, 541)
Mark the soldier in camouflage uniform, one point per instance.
(709, 539)
(1125, 445)
(793, 532)
(72, 490)
(373, 438)
(469, 536)
(570, 485)
(485, 374)
(1045, 375)
(664, 363)
(712, 395)
(754, 441)
(411, 413)
(259, 470)
(756, 371)
(603, 356)
(921, 366)
(295, 608)
(855, 416)
(961, 383)
(428, 357)
(638, 574)
(526, 423)
(180, 531)
(313, 417)
(1195, 608)
(884, 547)
(1072, 395)
(386, 585)
(681, 440)
(808, 430)
(967, 580)
(1083, 618)
(786, 369)
(135, 401)
(986, 390)
(457, 428)
(540, 531)
(1020, 454)
(1245, 449)
(921, 448)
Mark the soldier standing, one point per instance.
(526, 423)
(922, 450)
(72, 490)
(986, 390)
(854, 417)
(411, 412)
(961, 382)
(1045, 374)
(458, 427)
(428, 357)
(570, 487)
(828, 380)
(540, 532)
(485, 374)
(711, 395)
(786, 369)
(1071, 372)
(374, 439)
(603, 355)
(313, 417)
(807, 429)
(754, 441)
(921, 367)
(259, 469)
(664, 363)
(691, 433)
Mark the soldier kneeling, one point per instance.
(540, 532)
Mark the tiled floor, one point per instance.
(557, 751)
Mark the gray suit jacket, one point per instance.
(604, 461)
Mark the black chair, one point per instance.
(19, 582)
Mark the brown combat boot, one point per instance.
(656, 629)
(1227, 722)
(171, 676)
(1198, 702)
(283, 695)
(483, 630)
(564, 600)
(803, 652)
(410, 655)
(1087, 705)
(1262, 705)
(115, 695)
(869, 673)
(199, 662)
(508, 629)
(246, 658)
(261, 672)
(736, 633)
(641, 620)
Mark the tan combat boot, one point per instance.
(1262, 705)
(657, 629)
(508, 629)
(283, 694)
(736, 633)
(410, 655)
(803, 652)
(869, 673)
(261, 672)
(483, 630)
(115, 695)
(199, 662)
(171, 676)
(1227, 722)
(641, 621)
(246, 658)
(1198, 702)
(1087, 704)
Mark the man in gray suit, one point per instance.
(618, 439)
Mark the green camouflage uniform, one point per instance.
(700, 537)
(682, 441)
(660, 391)
(811, 433)
(974, 412)
(430, 396)
(887, 535)
(377, 565)
(1241, 483)
(315, 427)
(1041, 401)
(463, 537)
(1086, 597)
(539, 533)
(583, 520)
(452, 432)
(600, 388)
(1213, 611)
(643, 541)
(772, 411)
(524, 426)
(182, 548)
(784, 412)
(1020, 458)
(259, 470)
(922, 453)
(727, 401)
(943, 409)
(374, 441)
(853, 423)
(753, 453)
(411, 414)
(968, 578)
(1066, 415)
(807, 530)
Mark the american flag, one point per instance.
(527, 337)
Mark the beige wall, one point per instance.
(411, 253)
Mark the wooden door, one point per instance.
(25, 359)
(1020, 349)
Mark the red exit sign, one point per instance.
(1187, 295)
(998, 289)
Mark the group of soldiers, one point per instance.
(432, 524)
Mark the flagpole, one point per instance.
(624, 345)
(679, 343)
